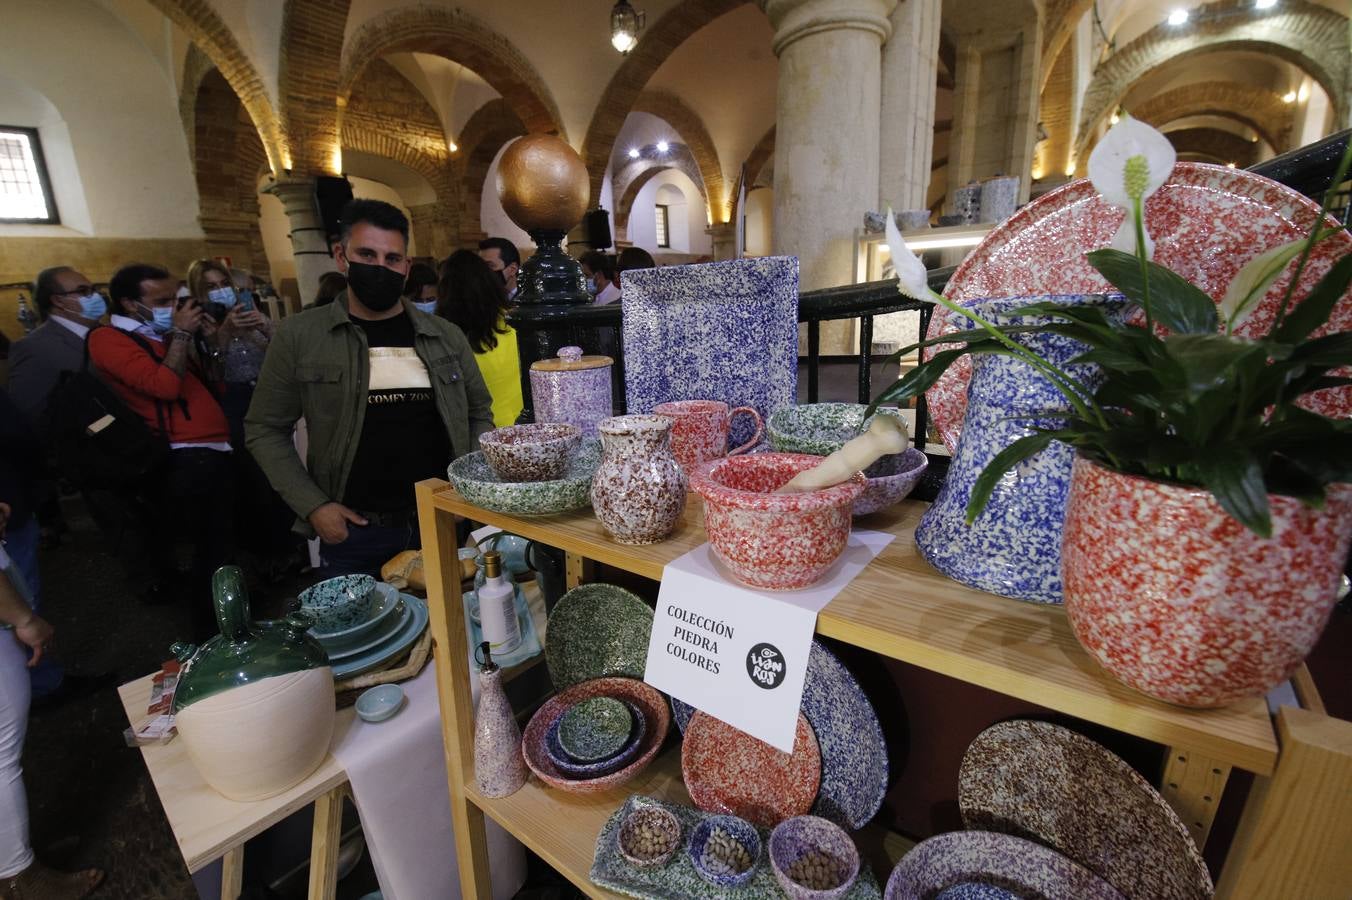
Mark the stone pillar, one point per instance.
(826, 136)
(910, 63)
(724, 237)
(309, 244)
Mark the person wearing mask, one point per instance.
(70, 307)
(331, 284)
(472, 297)
(421, 287)
(241, 337)
(389, 397)
(147, 358)
(502, 257)
(599, 270)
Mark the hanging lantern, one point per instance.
(625, 24)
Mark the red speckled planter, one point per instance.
(1177, 599)
(780, 542)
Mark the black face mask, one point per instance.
(377, 287)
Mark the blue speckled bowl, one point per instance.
(339, 603)
(800, 835)
(822, 428)
(584, 770)
(742, 831)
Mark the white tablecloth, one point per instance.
(398, 773)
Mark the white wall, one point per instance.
(688, 236)
(760, 214)
(111, 133)
(492, 217)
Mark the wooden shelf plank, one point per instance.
(903, 608)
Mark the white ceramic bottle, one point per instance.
(497, 607)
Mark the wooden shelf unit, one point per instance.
(902, 608)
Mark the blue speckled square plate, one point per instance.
(678, 880)
(854, 751)
(716, 331)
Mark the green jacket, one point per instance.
(317, 367)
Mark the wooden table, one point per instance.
(208, 826)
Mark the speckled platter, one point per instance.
(1049, 784)
(572, 769)
(677, 880)
(648, 700)
(1206, 221)
(849, 738)
(820, 428)
(716, 331)
(479, 484)
(729, 771)
(597, 630)
(595, 729)
(975, 890)
(1028, 870)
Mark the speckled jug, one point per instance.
(638, 491)
(499, 767)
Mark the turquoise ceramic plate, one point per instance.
(385, 604)
(370, 641)
(412, 623)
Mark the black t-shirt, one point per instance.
(403, 439)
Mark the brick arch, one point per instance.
(688, 124)
(1220, 146)
(755, 163)
(387, 116)
(1311, 37)
(458, 36)
(683, 162)
(655, 44)
(312, 41)
(1059, 23)
(491, 126)
(227, 153)
(1261, 110)
(204, 27)
(196, 65)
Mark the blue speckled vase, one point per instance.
(1014, 546)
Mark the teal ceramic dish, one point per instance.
(338, 604)
(384, 605)
(410, 625)
(595, 729)
(479, 484)
(380, 702)
(821, 428)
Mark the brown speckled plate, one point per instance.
(1051, 785)
(729, 771)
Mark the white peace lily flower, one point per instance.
(1252, 282)
(912, 279)
(1131, 162)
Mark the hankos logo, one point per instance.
(765, 665)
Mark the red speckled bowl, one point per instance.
(779, 542)
(642, 697)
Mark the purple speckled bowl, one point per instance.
(534, 452)
(573, 769)
(742, 831)
(961, 857)
(796, 837)
(898, 474)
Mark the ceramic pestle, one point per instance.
(885, 435)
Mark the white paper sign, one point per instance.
(737, 653)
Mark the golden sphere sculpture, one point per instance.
(543, 183)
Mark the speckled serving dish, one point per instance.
(985, 857)
(572, 768)
(536, 451)
(895, 476)
(795, 838)
(476, 481)
(822, 428)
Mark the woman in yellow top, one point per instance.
(473, 296)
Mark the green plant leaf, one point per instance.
(1330, 350)
(923, 376)
(1176, 303)
(1001, 463)
(1236, 480)
(1252, 282)
(1314, 310)
(1208, 360)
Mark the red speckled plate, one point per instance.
(1207, 222)
(729, 771)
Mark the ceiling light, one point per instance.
(1177, 17)
(1264, 4)
(1229, 165)
(633, 153)
(451, 146)
(1114, 119)
(625, 24)
(663, 146)
(1304, 93)
(1289, 97)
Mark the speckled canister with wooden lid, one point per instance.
(573, 388)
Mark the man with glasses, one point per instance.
(389, 395)
(69, 307)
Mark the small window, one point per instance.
(25, 190)
(663, 226)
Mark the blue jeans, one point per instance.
(22, 546)
(367, 548)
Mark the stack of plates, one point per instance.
(395, 622)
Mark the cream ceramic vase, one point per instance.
(639, 490)
(255, 705)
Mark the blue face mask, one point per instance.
(225, 296)
(592, 288)
(163, 318)
(427, 306)
(93, 306)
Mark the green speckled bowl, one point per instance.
(479, 484)
(597, 630)
(819, 428)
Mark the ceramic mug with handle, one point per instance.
(699, 430)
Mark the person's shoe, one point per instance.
(37, 882)
(73, 687)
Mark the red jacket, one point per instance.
(186, 405)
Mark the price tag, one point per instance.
(737, 653)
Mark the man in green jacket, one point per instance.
(389, 394)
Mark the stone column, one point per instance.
(826, 137)
(724, 237)
(309, 244)
(910, 63)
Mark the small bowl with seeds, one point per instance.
(813, 858)
(724, 850)
(648, 836)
